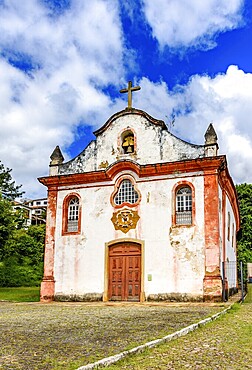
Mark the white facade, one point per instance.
(172, 269)
(178, 260)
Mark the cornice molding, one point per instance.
(209, 165)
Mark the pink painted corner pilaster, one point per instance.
(48, 282)
(212, 283)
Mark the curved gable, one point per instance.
(127, 112)
(131, 134)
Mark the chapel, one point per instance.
(140, 215)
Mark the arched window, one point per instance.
(71, 214)
(184, 206)
(126, 193)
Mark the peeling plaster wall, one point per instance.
(173, 256)
(153, 145)
(84, 162)
(79, 259)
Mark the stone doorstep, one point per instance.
(112, 359)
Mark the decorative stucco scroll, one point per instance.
(125, 219)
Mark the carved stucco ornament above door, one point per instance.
(125, 219)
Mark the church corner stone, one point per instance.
(47, 289)
(213, 288)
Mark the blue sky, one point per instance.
(63, 63)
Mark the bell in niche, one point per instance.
(128, 144)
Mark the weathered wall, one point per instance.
(153, 145)
(173, 256)
(180, 262)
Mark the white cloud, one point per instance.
(154, 98)
(186, 23)
(224, 100)
(71, 57)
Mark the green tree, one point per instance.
(7, 225)
(23, 264)
(244, 242)
(8, 189)
(21, 215)
(8, 192)
(21, 249)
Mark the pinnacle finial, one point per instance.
(210, 135)
(211, 145)
(56, 156)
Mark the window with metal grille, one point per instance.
(73, 215)
(126, 193)
(184, 206)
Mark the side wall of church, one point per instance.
(222, 206)
(230, 243)
(173, 256)
(228, 230)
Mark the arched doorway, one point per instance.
(124, 272)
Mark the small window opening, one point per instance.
(184, 206)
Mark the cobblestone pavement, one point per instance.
(224, 344)
(65, 336)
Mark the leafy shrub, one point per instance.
(23, 262)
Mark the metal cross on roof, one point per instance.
(129, 91)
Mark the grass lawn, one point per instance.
(22, 294)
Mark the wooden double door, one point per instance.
(125, 272)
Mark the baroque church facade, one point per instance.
(140, 215)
